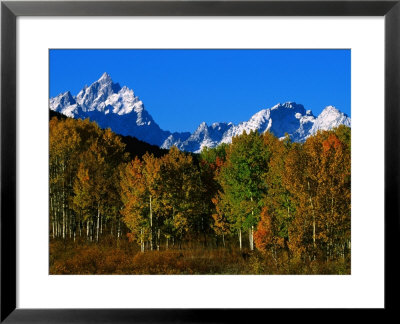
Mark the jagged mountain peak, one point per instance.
(332, 110)
(67, 95)
(220, 125)
(288, 105)
(105, 78)
(202, 127)
(105, 81)
(92, 97)
(64, 102)
(329, 118)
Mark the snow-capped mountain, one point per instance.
(119, 109)
(111, 106)
(289, 118)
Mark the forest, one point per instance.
(260, 205)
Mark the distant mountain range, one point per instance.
(119, 109)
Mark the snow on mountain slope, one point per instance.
(284, 118)
(203, 136)
(119, 109)
(95, 96)
(64, 103)
(289, 118)
(329, 118)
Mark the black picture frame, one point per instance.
(10, 10)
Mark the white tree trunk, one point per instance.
(240, 239)
(119, 228)
(158, 240)
(151, 226)
(52, 212)
(313, 214)
(251, 229)
(63, 206)
(91, 230)
(98, 224)
(141, 241)
(63, 224)
(251, 238)
(70, 226)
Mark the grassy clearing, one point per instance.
(106, 258)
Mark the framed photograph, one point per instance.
(194, 161)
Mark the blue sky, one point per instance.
(182, 88)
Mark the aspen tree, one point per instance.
(242, 178)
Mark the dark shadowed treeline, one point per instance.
(133, 146)
(266, 198)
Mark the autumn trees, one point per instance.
(278, 207)
(286, 199)
(242, 180)
(141, 198)
(318, 176)
(84, 185)
(65, 146)
(308, 203)
(162, 198)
